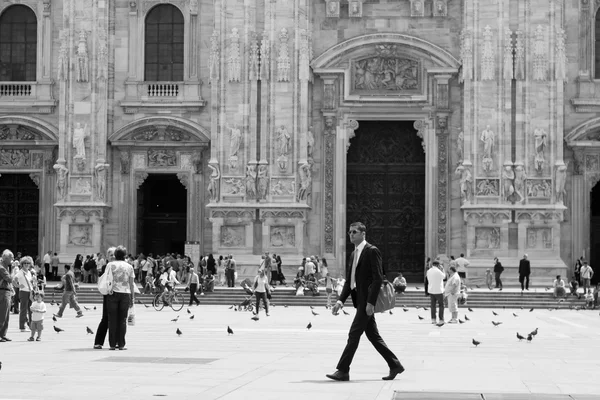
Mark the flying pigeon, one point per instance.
(476, 343)
(53, 318)
(495, 313)
(309, 326)
(192, 317)
(89, 331)
(178, 332)
(531, 309)
(175, 319)
(229, 331)
(58, 330)
(496, 323)
(520, 337)
(314, 313)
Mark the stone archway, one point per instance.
(417, 91)
(161, 145)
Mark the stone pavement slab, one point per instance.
(277, 357)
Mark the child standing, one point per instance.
(488, 278)
(38, 309)
(589, 299)
(328, 281)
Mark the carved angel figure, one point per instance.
(213, 185)
(61, 180)
(508, 176)
(540, 145)
(305, 181)
(235, 140)
(460, 140)
(251, 181)
(466, 183)
(79, 135)
(263, 181)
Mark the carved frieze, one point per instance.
(185, 161)
(283, 187)
(244, 214)
(539, 216)
(265, 56)
(234, 186)
(560, 68)
(139, 161)
(162, 158)
(487, 187)
(540, 55)
(282, 236)
(508, 55)
(81, 235)
(539, 188)
(234, 63)
(539, 238)
(215, 57)
(18, 132)
(140, 177)
(466, 55)
(282, 214)
(417, 8)
(124, 158)
(487, 238)
(283, 57)
(385, 73)
(233, 236)
(486, 216)
(81, 185)
(333, 9)
(488, 57)
(86, 212)
(14, 158)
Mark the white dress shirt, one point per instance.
(357, 252)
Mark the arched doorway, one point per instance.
(162, 215)
(19, 214)
(386, 191)
(595, 232)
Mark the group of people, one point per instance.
(445, 286)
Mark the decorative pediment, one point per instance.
(586, 134)
(161, 131)
(33, 131)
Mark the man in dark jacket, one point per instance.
(524, 271)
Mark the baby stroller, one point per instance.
(246, 305)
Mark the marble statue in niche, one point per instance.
(250, 181)
(232, 236)
(466, 184)
(82, 58)
(386, 73)
(79, 135)
(519, 183)
(235, 139)
(310, 143)
(80, 235)
(305, 174)
(263, 181)
(101, 170)
(561, 179)
(162, 158)
(283, 236)
(487, 187)
(460, 142)
(540, 138)
(488, 138)
(61, 180)
(487, 238)
(508, 177)
(284, 138)
(213, 184)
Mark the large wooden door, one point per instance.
(19, 214)
(386, 191)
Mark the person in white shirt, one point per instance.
(262, 290)
(587, 273)
(26, 289)
(559, 287)
(38, 309)
(47, 262)
(451, 291)
(461, 267)
(435, 277)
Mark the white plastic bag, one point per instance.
(131, 316)
(105, 282)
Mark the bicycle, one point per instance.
(173, 299)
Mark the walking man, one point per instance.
(6, 291)
(47, 262)
(363, 281)
(69, 296)
(461, 267)
(524, 272)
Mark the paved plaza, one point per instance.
(277, 357)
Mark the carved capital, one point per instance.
(442, 125)
(140, 177)
(351, 126)
(197, 161)
(421, 127)
(184, 178)
(36, 177)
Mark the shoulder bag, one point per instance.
(386, 299)
(105, 282)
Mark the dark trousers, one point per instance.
(54, 273)
(230, 276)
(193, 290)
(498, 280)
(118, 305)
(524, 280)
(4, 311)
(47, 270)
(25, 314)
(439, 299)
(103, 325)
(364, 323)
(263, 296)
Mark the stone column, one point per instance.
(329, 188)
(580, 216)
(442, 186)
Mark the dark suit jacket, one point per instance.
(369, 276)
(524, 267)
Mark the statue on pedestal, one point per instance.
(488, 138)
(519, 183)
(263, 181)
(101, 171)
(508, 176)
(79, 135)
(561, 180)
(61, 180)
(540, 144)
(466, 183)
(213, 185)
(82, 58)
(250, 181)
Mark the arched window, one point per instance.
(163, 59)
(597, 47)
(18, 44)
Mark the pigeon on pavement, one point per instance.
(529, 338)
(255, 318)
(535, 332)
(466, 318)
(495, 313)
(89, 331)
(420, 318)
(476, 343)
(175, 319)
(58, 330)
(178, 332)
(192, 317)
(520, 337)
(314, 313)
(309, 326)
(345, 313)
(229, 331)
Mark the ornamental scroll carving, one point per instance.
(16, 158)
(508, 55)
(330, 139)
(265, 56)
(234, 63)
(488, 58)
(520, 56)
(283, 58)
(214, 58)
(442, 198)
(386, 73)
(421, 126)
(36, 178)
(466, 55)
(540, 55)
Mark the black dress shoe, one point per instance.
(393, 373)
(339, 376)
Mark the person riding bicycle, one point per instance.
(168, 280)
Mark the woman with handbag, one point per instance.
(103, 325)
(262, 290)
(26, 289)
(121, 299)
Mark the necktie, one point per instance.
(353, 274)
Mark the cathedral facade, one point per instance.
(446, 126)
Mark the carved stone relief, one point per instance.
(36, 178)
(508, 55)
(519, 56)
(487, 238)
(102, 69)
(539, 188)
(81, 235)
(140, 177)
(185, 161)
(283, 147)
(265, 56)
(488, 140)
(162, 158)
(539, 238)
(560, 69)
(591, 162)
(303, 58)
(540, 139)
(16, 158)
(37, 160)
(233, 236)
(421, 126)
(184, 178)
(488, 58)
(466, 184)
(519, 183)
(460, 143)
(250, 181)
(139, 161)
(234, 186)
(487, 187)
(81, 67)
(540, 55)
(282, 236)
(466, 55)
(386, 73)
(508, 181)
(234, 63)
(124, 158)
(440, 8)
(329, 155)
(333, 9)
(442, 198)
(235, 139)
(283, 57)
(283, 187)
(81, 185)
(215, 56)
(417, 8)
